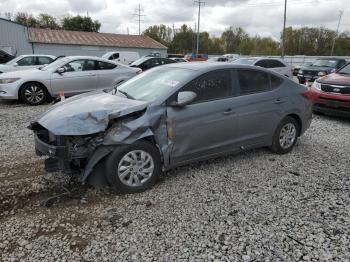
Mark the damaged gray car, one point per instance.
(170, 116)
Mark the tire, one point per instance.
(302, 82)
(124, 171)
(289, 127)
(33, 94)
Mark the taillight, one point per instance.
(308, 95)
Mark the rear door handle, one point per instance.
(228, 111)
(279, 101)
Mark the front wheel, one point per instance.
(133, 168)
(286, 135)
(33, 94)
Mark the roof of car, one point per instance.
(202, 66)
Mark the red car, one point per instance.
(331, 93)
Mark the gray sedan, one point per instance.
(170, 116)
(72, 75)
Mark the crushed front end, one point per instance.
(69, 154)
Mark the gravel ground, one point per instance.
(254, 206)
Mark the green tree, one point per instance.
(80, 23)
(47, 21)
(159, 33)
(183, 41)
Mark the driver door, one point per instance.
(79, 76)
(208, 125)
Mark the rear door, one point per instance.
(80, 76)
(279, 67)
(259, 107)
(110, 74)
(208, 125)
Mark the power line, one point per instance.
(139, 14)
(336, 34)
(200, 3)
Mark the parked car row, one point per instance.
(73, 75)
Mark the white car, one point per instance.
(274, 64)
(122, 57)
(25, 62)
(72, 75)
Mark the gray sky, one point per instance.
(263, 17)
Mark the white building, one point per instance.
(17, 39)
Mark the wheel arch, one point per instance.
(298, 119)
(36, 82)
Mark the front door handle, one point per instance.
(229, 111)
(279, 101)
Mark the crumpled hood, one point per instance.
(87, 113)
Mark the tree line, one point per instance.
(298, 41)
(74, 23)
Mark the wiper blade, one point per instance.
(126, 94)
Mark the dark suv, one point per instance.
(319, 68)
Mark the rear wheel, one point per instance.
(286, 135)
(133, 168)
(33, 93)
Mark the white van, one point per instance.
(122, 57)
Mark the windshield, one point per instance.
(139, 61)
(13, 61)
(244, 61)
(325, 63)
(345, 70)
(56, 64)
(155, 83)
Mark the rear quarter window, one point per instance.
(253, 81)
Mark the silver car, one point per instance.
(72, 75)
(25, 62)
(274, 64)
(170, 116)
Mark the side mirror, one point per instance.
(333, 70)
(15, 64)
(184, 98)
(60, 70)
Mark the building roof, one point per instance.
(48, 36)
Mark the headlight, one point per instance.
(300, 72)
(8, 80)
(317, 85)
(322, 73)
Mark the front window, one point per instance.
(345, 70)
(27, 61)
(155, 83)
(325, 63)
(245, 61)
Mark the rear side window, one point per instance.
(211, 86)
(275, 81)
(253, 81)
(262, 63)
(43, 60)
(275, 63)
(105, 66)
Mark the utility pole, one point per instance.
(284, 27)
(139, 14)
(200, 3)
(336, 35)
